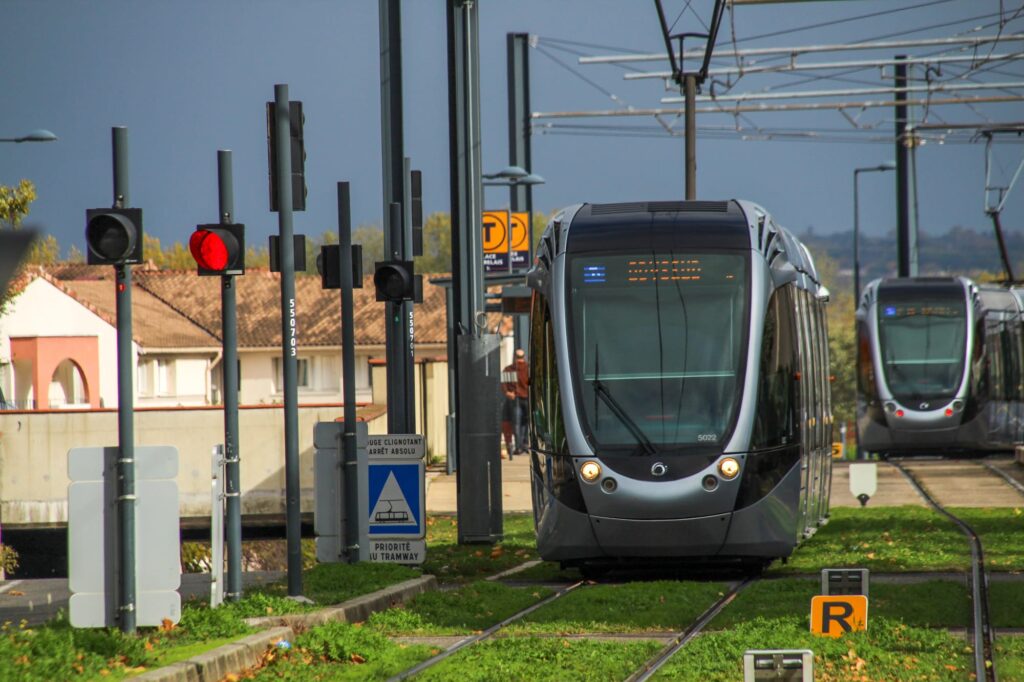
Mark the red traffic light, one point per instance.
(219, 249)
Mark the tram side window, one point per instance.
(776, 403)
(865, 367)
(538, 375)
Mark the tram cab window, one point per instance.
(923, 343)
(658, 343)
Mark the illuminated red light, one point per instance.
(209, 250)
(899, 413)
(949, 411)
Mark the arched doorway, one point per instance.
(68, 387)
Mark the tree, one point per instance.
(15, 203)
(842, 348)
(44, 251)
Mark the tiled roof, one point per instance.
(197, 299)
(155, 324)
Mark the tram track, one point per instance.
(486, 634)
(982, 634)
(681, 639)
(1013, 482)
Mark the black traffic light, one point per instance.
(113, 236)
(328, 265)
(416, 193)
(219, 249)
(395, 282)
(298, 150)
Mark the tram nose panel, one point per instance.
(923, 415)
(611, 494)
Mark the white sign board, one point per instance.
(863, 480)
(397, 446)
(398, 551)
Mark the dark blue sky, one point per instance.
(190, 77)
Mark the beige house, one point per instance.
(58, 339)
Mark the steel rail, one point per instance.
(943, 87)
(483, 635)
(983, 636)
(794, 67)
(809, 49)
(1014, 483)
(653, 664)
(762, 108)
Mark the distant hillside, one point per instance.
(958, 252)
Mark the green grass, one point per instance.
(450, 561)
(934, 603)
(1006, 604)
(883, 539)
(341, 651)
(547, 571)
(889, 651)
(329, 584)
(1010, 657)
(542, 659)
(628, 607)
(1002, 535)
(471, 608)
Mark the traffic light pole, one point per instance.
(125, 396)
(355, 549)
(903, 238)
(289, 339)
(229, 360)
(397, 244)
(520, 154)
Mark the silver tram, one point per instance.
(680, 405)
(940, 366)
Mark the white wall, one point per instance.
(258, 383)
(44, 310)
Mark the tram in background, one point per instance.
(940, 366)
(679, 398)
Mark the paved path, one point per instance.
(960, 484)
(39, 599)
(964, 484)
(515, 484)
(893, 488)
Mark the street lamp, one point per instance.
(39, 135)
(884, 166)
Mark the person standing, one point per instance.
(522, 392)
(508, 407)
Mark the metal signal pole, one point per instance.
(125, 400)
(229, 341)
(903, 257)
(289, 338)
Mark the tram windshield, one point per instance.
(923, 340)
(658, 342)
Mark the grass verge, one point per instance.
(542, 659)
(1010, 657)
(452, 562)
(933, 603)
(1002, 535)
(340, 651)
(884, 539)
(629, 607)
(889, 651)
(1006, 604)
(471, 608)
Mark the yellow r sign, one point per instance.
(834, 616)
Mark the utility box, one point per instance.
(479, 438)
(93, 539)
(330, 510)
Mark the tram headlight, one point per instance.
(590, 470)
(729, 467)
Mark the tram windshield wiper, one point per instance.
(601, 391)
